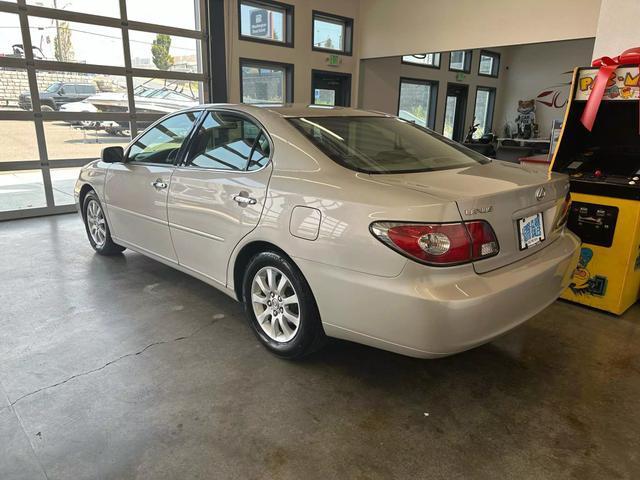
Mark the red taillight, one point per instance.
(563, 212)
(439, 243)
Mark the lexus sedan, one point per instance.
(337, 222)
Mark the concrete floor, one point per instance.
(119, 368)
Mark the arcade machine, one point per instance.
(599, 148)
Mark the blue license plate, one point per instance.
(531, 231)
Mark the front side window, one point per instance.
(418, 101)
(162, 142)
(266, 21)
(489, 64)
(423, 59)
(263, 82)
(53, 88)
(384, 145)
(483, 113)
(227, 141)
(332, 33)
(460, 61)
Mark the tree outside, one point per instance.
(62, 46)
(160, 55)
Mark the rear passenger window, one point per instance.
(224, 141)
(260, 154)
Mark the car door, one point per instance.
(66, 94)
(216, 197)
(136, 189)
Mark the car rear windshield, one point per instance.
(384, 144)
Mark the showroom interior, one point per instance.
(121, 367)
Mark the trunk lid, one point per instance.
(500, 193)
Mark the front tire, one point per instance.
(280, 307)
(96, 226)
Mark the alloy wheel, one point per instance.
(275, 304)
(96, 223)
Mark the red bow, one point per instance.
(607, 66)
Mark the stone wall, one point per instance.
(13, 82)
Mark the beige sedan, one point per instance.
(337, 222)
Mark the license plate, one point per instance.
(530, 231)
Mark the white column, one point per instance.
(617, 27)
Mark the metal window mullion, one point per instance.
(35, 103)
(202, 49)
(9, 7)
(55, 66)
(133, 124)
(10, 62)
(20, 165)
(103, 21)
(36, 212)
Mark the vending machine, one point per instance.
(599, 148)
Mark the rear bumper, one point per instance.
(427, 312)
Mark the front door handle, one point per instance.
(159, 184)
(243, 199)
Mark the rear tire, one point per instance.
(280, 307)
(95, 223)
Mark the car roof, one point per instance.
(289, 110)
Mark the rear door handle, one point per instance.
(243, 199)
(159, 183)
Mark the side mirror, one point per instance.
(112, 154)
(61, 91)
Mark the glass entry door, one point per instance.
(330, 88)
(80, 75)
(455, 110)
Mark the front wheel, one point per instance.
(95, 223)
(280, 307)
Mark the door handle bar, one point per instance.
(242, 200)
(159, 184)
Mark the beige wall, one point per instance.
(380, 83)
(399, 27)
(532, 69)
(617, 27)
(301, 55)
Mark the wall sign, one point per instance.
(259, 23)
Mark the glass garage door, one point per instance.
(79, 75)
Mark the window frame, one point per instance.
(333, 18)
(415, 64)
(493, 91)
(288, 78)
(496, 57)
(185, 155)
(433, 101)
(181, 152)
(289, 12)
(468, 58)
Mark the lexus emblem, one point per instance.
(540, 193)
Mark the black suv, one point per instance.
(58, 93)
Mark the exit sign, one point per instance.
(334, 60)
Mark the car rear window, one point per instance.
(384, 144)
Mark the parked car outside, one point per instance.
(337, 222)
(57, 94)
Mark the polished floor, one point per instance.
(122, 368)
